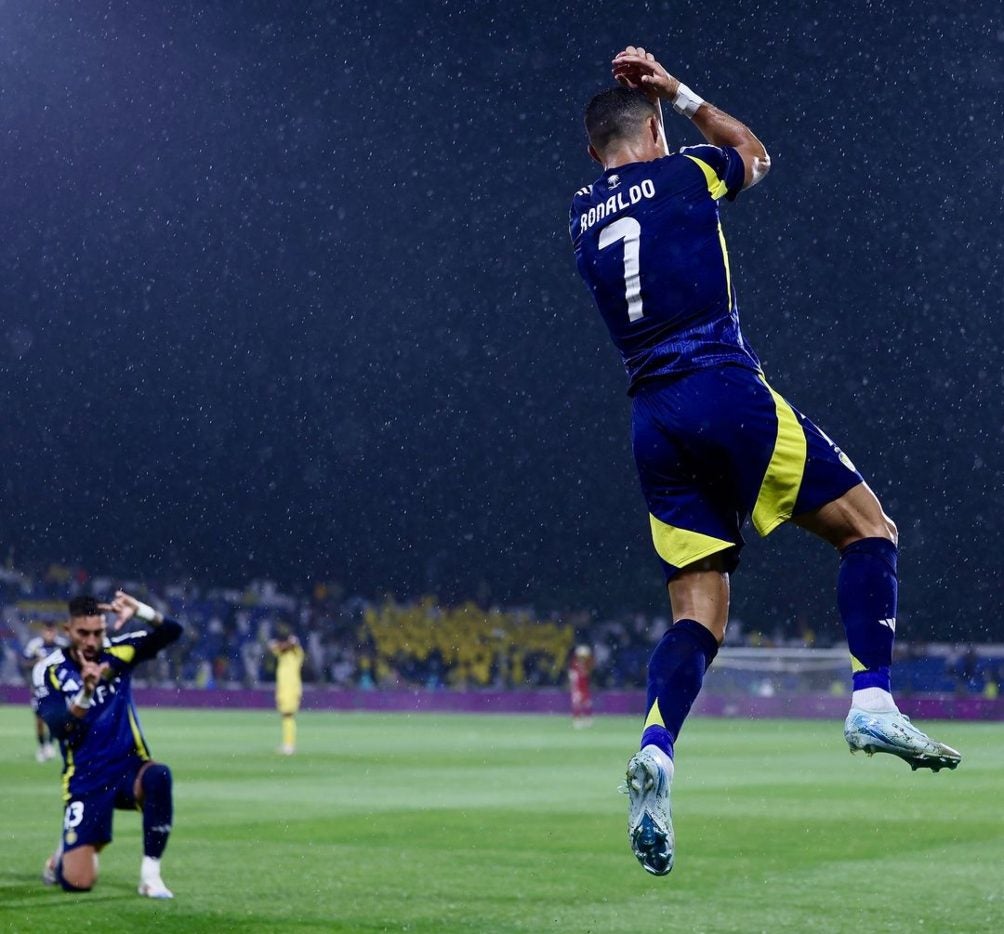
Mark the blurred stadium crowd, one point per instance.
(353, 642)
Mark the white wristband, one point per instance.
(686, 101)
(145, 612)
(82, 700)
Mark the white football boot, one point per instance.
(893, 733)
(49, 871)
(650, 819)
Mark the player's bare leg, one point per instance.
(45, 750)
(77, 869)
(701, 593)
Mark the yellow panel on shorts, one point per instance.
(783, 477)
(680, 547)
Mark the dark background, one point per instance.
(287, 292)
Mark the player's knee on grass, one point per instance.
(77, 870)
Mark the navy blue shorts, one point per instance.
(87, 819)
(718, 445)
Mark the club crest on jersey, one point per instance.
(613, 181)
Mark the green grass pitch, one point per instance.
(446, 823)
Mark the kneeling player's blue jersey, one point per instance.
(649, 244)
(100, 746)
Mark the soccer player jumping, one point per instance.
(713, 442)
(85, 696)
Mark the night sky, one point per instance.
(290, 294)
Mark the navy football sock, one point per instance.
(158, 809)
(867, 590)
(675, 675)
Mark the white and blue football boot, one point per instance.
(650, 820)
(894, 733)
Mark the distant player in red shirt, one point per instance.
(580, 668)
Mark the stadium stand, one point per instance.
(386, 644)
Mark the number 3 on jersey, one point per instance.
(628, 230)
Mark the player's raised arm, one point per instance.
(636, 68)
(161, 631)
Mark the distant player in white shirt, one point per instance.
(37, 648)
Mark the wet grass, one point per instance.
(447, 823)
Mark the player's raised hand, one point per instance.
(125, 607)
(636, 68)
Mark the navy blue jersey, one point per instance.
(649, 244)
(100, 746)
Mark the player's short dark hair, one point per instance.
(615, 114)
(84, 605)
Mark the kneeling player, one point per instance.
(84, 694)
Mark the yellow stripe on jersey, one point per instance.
(717, 189)
(856, 666)
(125, 652)
(680, 547)
(716, 186)
(68, 773)
(654, 717)
(138, 738)
(725, 259)
(783, 477)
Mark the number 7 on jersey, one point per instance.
(628, 230)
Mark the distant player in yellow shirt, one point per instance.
(288, 684)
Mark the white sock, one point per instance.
(149, 867)
(874, 700)
(664, 760)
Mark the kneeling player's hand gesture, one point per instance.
(126, 607)
(92, 673)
